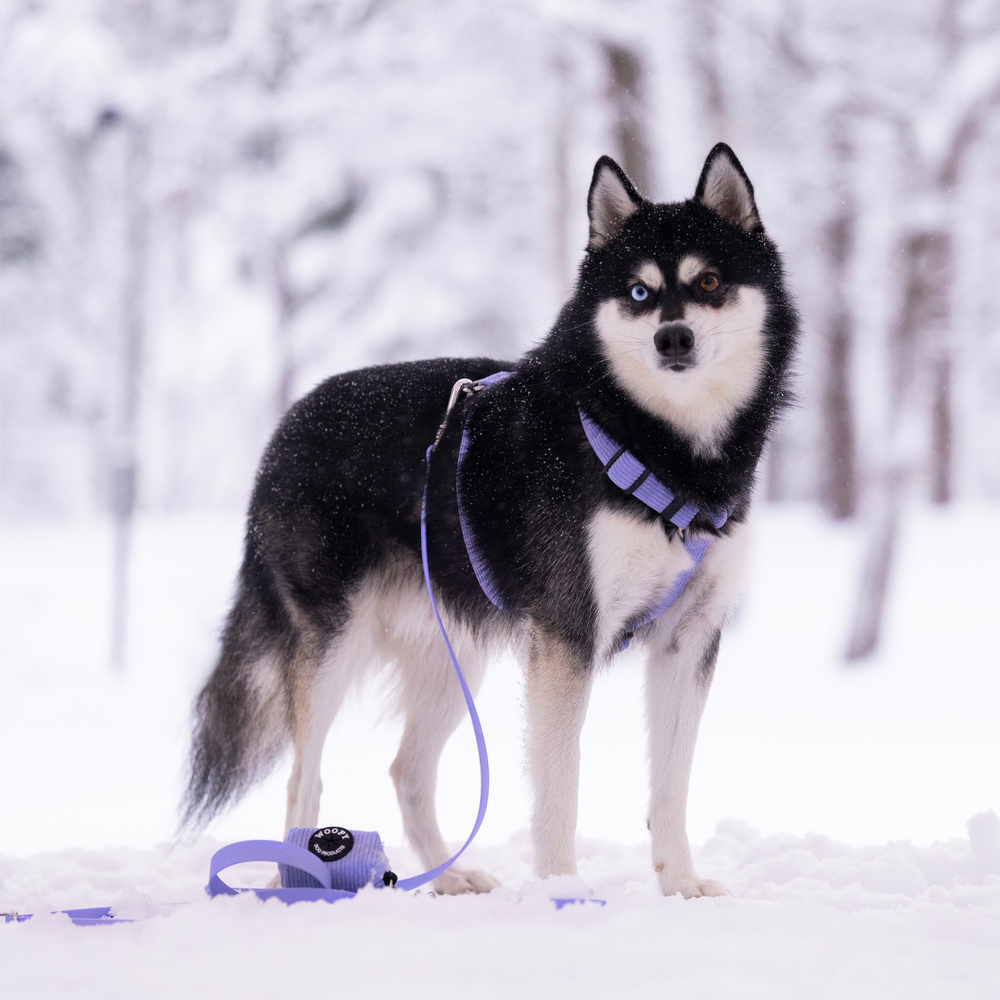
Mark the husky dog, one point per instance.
(675, 349)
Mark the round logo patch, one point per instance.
(331, 843)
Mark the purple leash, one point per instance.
(298, 857)
(484, 763)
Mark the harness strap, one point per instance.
(479, 564)
(696, 549)
(629, 474)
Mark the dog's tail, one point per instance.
(242, 717)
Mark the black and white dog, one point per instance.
(673, 353)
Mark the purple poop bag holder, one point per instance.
(331, 862)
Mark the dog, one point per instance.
(674, 351)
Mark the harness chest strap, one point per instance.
(630, 475)
(626, 472)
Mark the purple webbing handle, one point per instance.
(278, 851)
(484, 764)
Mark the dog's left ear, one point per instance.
(725, 188)
(611, 200)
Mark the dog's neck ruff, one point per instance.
(626, 472)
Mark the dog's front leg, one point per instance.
(557, 692)
(678, 675)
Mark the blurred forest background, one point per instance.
(207, 206)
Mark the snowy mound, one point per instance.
(808, 917)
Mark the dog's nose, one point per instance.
(674, 341)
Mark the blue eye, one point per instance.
(640, 293)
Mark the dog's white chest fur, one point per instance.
(632, 565)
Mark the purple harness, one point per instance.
(630, 475)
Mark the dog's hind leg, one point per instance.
(319, 685)
(557, 693)
(433, 707)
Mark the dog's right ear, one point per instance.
(725, 188)
(611, 200)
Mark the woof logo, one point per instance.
(331, 843)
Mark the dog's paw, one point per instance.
(456, 881)
(692, 888)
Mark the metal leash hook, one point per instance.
(463, 383)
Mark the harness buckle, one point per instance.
(679, 533)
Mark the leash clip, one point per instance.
(469, 387)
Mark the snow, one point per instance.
(471, 181)
(897, 755)
(809, 917)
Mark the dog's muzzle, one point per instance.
(674, 342)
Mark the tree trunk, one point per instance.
(284, 329)
(561, 258)
(626, 92)
(866, 629)
(838, 481)
(703, 30)
(941, 430)
(922, 326)
(124, 472)
(926, 345)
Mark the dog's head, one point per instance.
(680, 295)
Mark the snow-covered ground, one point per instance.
(899, 753)
(809, 918)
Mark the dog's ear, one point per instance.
(725, 188)
(611, 200)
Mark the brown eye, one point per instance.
(709, 283)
